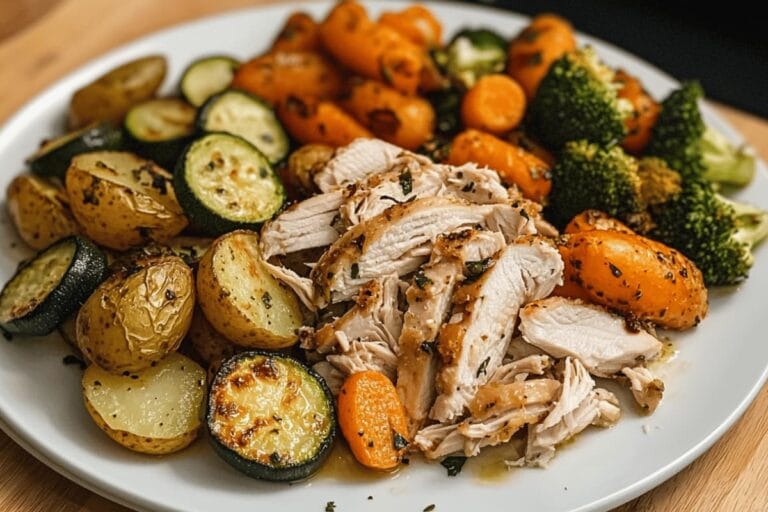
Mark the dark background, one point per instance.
(724, 46)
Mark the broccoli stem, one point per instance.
(724, 162)
(750, 222)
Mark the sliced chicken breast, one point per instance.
(361, 158)
(400, 239)
(599, 339)
(429, 301)
(374, 317)
(472, 344)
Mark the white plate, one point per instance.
(720, 367)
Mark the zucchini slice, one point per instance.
(246, 116)
(206, 77)
(224, 183)
(271, 417)
(160, 129)
(53, 157)
(49, 288)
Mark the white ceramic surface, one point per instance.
(720, 366)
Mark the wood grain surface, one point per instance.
(41, 40)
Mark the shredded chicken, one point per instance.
(365, 355)
(646, 388)
(577, 407)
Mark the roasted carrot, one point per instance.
(299, 34)
(645, 112)
(545, 40)
(637, 276)
(495, 104)
(589, 220)
(406, 121)
(373, 420)
(371, 49)
(514, 164)
(275, 76)
(520, 138)
(416, 23)
(313, 121)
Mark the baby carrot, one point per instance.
(299, 34)
(416, 23)
(645, 112)
(312, 121)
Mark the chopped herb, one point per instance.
(170, 294)
(406, 182)
(330, 506)
(398, 441)
(482, 370)
(615, 270)
(469, 187)
(453, 464)
(267, 300)
(274, 458)
(355, 271)
(360, 242)
(429, 508)
(475, 269)
(370, 497)
(427, 347)
(70, 359)
(421, 280)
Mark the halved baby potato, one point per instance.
(40, 211)
(158, 410)
(138, 316)
(241, 299)
(209, 346)
(122, 200)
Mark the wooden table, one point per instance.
(41, 40)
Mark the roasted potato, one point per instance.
(111, 96)
(302, 166)
(158, 410)
(40, 211)
(138, 316)
(241, 299)
(191, 249)
(121, 200)
(210, 347)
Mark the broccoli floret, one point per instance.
(659, 182)
(577, 99)
(714, 232)
(471, 54)
(588, 176)
(697, 151)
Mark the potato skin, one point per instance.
(111, 96)
(39, 211)
(118, 216)
(303, 164)
(241, 299)
(133, 320)
(636, 276)
(209, 346)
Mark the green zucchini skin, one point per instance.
(163, 150)
(267, 135)
(52, 160)
(207, 76)
(86, 270)
(204, 217)
(253, 468)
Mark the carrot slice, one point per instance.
(645, 112)
(309, 121)
(514, 164)
(590, 220)
(373, 420)
(495, 104)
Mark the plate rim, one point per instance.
(94, 66)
